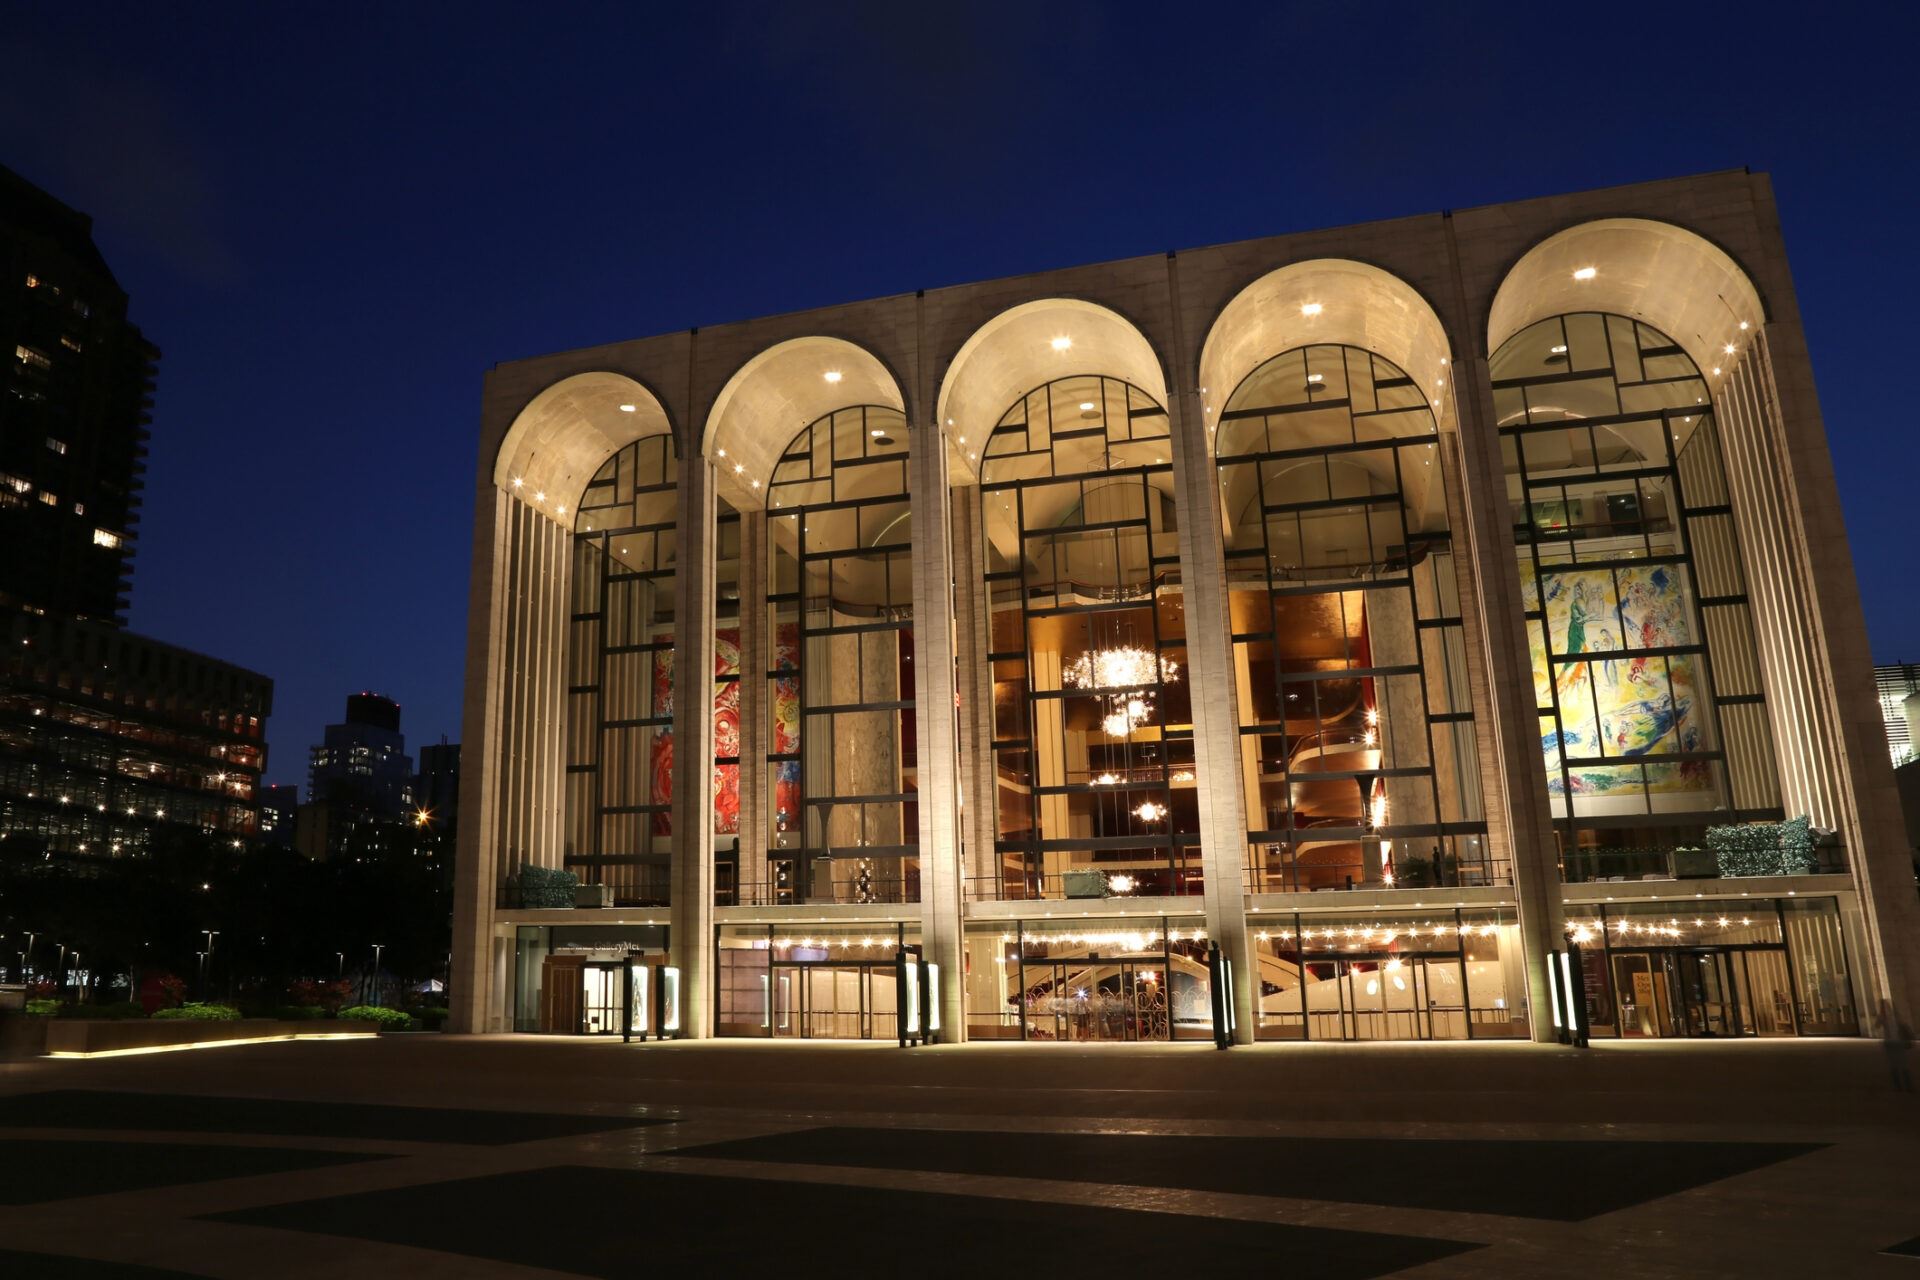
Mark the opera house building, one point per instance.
(1433, 629)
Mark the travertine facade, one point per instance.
(1698, 261)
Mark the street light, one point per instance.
(378, 947)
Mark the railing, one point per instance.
(1314, 865)
(1631, 862)
(1025, 878)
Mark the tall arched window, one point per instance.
(619, 779)
(1358, 756)
(1652, 717)
(840, 747)
(1093, 732)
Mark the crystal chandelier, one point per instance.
(1120, 667)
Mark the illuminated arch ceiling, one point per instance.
(1332, 301)
(1017, 351)
(567, 433)
(776, 394)
(1674, 280)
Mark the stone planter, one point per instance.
(83, 1037)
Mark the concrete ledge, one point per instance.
(85, 1038)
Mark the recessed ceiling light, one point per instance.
(1727, 350)
(542, 495)
(738, 468)
(517, 482)
(1309, 308)
(876, 433)
(1743, 324)
(1316, 377)
(831, 375)
(626, 408)
(1086, 406)
(723, 453)
(561, 510)
(1559, 350)
(1585, 273)
(1716, 371)
(1062, 343)
(963, 439)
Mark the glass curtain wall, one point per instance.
(1125, 979)
(1455, 974)
(1093, 726)
(1706, 968)
(818, 982)
(840, 750)
(1358, 753)
(1652, 716)
(619, 737)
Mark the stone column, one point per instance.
(979, 782)
(515, 712)
(470, 996)
(1511, 717)
(1216, 738)
(933, 693)
(690, 941)
(1813, 646)
(755, 647)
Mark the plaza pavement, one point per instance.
(433, 1156)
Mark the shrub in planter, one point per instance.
(1764, 848)
(194, 1012)
(115, 1011)
(545, 887)
(389, 1019)
(45, 1008)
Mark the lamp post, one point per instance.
(60, 972)
(378, 947)
(206, 963)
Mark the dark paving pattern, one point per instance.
(1905, 1249)
(1560, 1181)
(623, 1222)
(33, 1171)
(48, 1266)
(179, 1113)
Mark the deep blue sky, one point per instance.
(332, 219)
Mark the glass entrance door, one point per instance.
(1701, 992)
(833, 1002)
(601, 998)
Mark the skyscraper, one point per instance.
(105, 736)
(73, 413)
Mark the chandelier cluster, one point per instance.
(1121, 667)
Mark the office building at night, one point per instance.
(107, 738)
(1438, 628)
(73, 413)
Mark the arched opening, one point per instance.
(568, 432)
(1092, 720)
(840, 750)
(1026, 346)
(1359, 755)
(1655, 272)
(1653, 721)
(1324, 302)
(785, 389)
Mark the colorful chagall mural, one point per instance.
(726, 730)
(1622, 707)
(726, 734)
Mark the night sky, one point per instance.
(332, 219)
